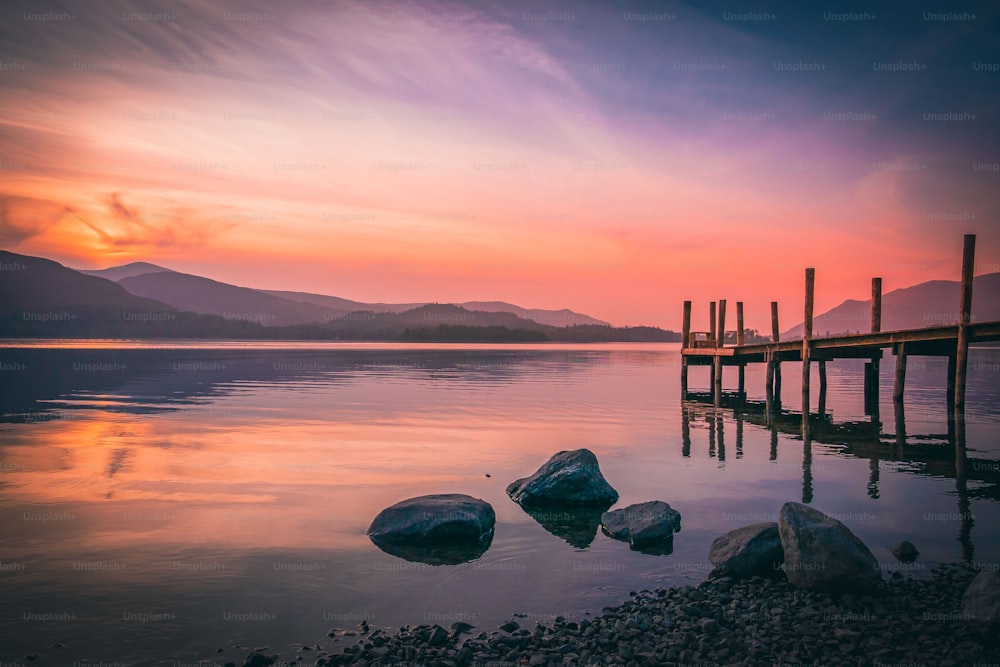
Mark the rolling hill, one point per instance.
(930, 304)
(203, 295)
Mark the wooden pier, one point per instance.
(708, 349)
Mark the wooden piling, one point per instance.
(769, 386)
(711, 321)
(900, 383)
(739, 323)
(711, 337)
(964, 318)
(876, 305)
(775, 337)
(950, 391)
(685, 342)
(822, 387)
(722, 324)
(739, 341)
(807, 330)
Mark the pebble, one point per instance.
(721, 622)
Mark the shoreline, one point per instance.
(721, 621)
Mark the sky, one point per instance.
(612, 158)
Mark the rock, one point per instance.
(460, 627)
(510, 626)
(746, 551)
(439, 529)
(569, 478)
(438, 636)
(258, 659)
(982, 601)
(822, 554)
(905, 552)
(642, 524)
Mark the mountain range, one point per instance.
(281, 308)
(40, 297)
(930, 304)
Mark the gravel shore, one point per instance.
(759, 621)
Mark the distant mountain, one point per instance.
(39, 297)
(930, 304)
(556, 318)
(203, 295)
(335, 303)
(117, 273)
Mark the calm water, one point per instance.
(160, 503)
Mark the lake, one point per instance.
(159, 502)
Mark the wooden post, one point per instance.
(685, 342)
(897, 388)
(900, 418)
(776, 337)
(950, 391)
(739, 322)
(868, 387)
(711, 321)
(964, 317)
(769, 386)
(719, 342)
(876, 364)
(711, 337)
(822, 387)
(876, 305)
(739, 341)
(686, 326)
(807, 330)
(722, 323)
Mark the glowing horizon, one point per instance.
(571, 157)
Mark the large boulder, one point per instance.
(438, 529)
(982, 601)
(568, 478)
(642, 524)
(822, 554)
(750, 550)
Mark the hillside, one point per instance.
(117, 273)
(39, 297)
(203, 295)
(930, 304)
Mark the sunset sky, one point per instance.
(613, 158)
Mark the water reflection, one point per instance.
(444, 553)
(577, 525)
(930, 454)
(226, 480)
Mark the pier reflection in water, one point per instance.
(942, 455)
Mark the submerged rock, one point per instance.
(750, 550)
(822, 554)
(438, 529)
(905, 552)
(568, 478)
(982, 602)
(642, 524)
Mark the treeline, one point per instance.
(458, 333)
